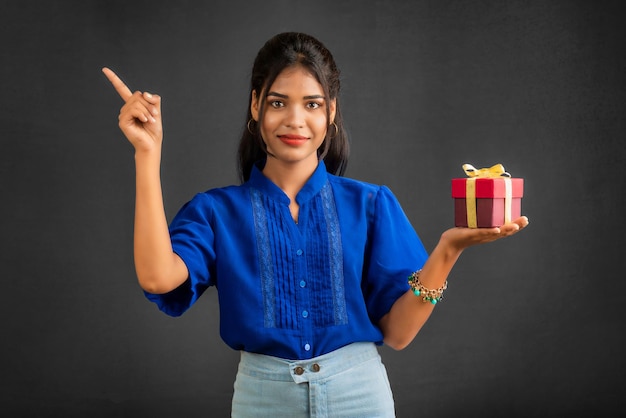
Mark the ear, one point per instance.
(332, 110)
(254, 105)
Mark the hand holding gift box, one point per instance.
(488, 198)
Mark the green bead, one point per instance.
(416, 291)
(433, 301)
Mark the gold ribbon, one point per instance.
(493, 172)
(470, 202)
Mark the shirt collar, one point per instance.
(312, 187)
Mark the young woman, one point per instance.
(311, 267)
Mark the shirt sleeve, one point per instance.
(193, 240)
(394, 252)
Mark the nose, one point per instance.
(294, 117)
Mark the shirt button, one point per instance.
(298, 370)
(307, 347)
(302, 283)
(299, 252)
(305, 314)
(315, 367)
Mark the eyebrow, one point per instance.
(284, 96)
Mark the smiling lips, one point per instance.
(293, 140)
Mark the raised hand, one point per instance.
(140, 116)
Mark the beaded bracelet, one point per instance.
(428, 295)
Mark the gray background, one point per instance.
(532, 326)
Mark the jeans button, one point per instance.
(315, 367)
(298, 370)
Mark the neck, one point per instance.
(289, 177)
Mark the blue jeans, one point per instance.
(349, 382)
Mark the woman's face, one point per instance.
(294, 122)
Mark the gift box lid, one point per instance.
(488, 188)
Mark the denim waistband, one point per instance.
(317, 368)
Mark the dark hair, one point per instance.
(282, 51)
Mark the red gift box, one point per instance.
(483, 201)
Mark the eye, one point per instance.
(313, 105)
(277, 104)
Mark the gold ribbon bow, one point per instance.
(492, 172)
(495, 171)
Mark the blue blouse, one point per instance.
(295, 290)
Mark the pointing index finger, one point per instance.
(118, 84)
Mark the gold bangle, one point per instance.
(428, 295)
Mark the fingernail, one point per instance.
(148, 95)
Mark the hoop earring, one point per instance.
(248, 126)
(336, 130)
